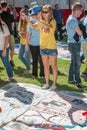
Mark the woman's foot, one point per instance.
(9, 79)
(53, 87)
(46, 86)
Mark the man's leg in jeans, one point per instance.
(71, 68)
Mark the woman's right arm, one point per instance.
(19, 29)
(6, 41)
(34, 26)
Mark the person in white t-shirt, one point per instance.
(4, 49)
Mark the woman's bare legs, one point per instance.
(53, 60)
(45, 60)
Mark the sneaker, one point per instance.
(71, 82)
(53, 87)
(80, 86)
(46, 86)
(12, 63)
(9, 79)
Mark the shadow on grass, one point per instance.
(1, 68)
(18, 70)
(69, 87)
(4, 82)
(59, 73)
(42, 81)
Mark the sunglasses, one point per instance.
(45, 12)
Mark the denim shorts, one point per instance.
(49, 52)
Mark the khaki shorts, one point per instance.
(12, 42)
(84, 48)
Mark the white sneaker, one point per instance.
(53, 87)
(46, 86)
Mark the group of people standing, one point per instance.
(36, 29)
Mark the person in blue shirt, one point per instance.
(72, 27)
(33, 37)
(57, 13)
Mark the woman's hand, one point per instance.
(4, 53)
(27, 47)
(22, 34)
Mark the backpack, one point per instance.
(83, 29)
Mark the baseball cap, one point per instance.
(33, 4)
(35, 10)
(3, 1)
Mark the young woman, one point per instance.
(4, 49)
(24, 51)
(48, 48)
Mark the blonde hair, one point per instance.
(48, 7)
(23, 23)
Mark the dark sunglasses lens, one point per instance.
(44, 12)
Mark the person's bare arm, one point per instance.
(5, 45)
(44, 25)
(12, 26)
(28, 36)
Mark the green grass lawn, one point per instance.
(63, 67)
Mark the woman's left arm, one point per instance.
(5, 45)
(6, 37)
